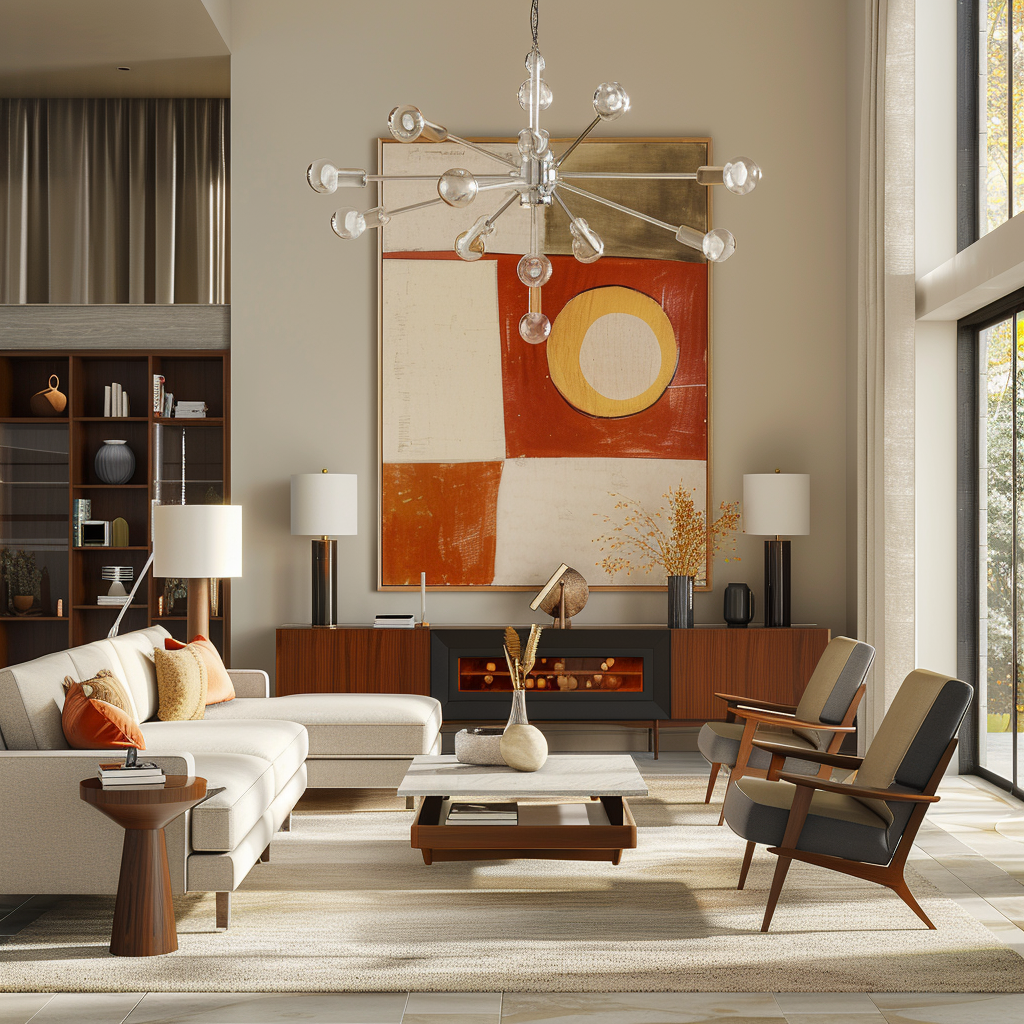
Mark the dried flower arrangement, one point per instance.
(520, 660)
(680, 550)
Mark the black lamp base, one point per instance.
(325, 582)
(776, 583)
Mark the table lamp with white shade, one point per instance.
(198, 543)
(776, 505)
(324, 506)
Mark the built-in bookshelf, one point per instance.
(47, 463)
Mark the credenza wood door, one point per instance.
(352, 660)
(772, 664)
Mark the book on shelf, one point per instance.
(125, 408)
(106, 601)
(190, 410)
(168, 404)
(106, 399)
(483, 814)
(158, 393)
(394, 621)
(81, 511)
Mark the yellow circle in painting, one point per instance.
(612, 351)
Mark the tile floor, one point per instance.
(971, 847)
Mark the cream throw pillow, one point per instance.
(181, 683)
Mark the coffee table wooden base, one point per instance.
(611, 830)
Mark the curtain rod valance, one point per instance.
(119, 200)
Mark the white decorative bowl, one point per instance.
(478, 748)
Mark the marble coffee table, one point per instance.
(597, 830)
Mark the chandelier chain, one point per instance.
(535, 21)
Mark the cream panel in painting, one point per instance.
(435, 228)
(551, 511)
(440, 362)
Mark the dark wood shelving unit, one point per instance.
(47, 462)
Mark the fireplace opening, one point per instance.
(611, 673)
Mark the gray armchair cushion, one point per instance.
(839, 825)
(719, 742)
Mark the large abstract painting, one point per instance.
(501, 459)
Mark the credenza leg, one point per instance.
(428, 856)
(657, 738)
(410, 803)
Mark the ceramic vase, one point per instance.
(517, 716)
(115, 462)
(680, 602)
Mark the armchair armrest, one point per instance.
(848, 761)
(249, 682)
(769, 718)
(755, 702)
(888, 795)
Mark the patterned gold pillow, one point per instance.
(181, 683)
(104, 686)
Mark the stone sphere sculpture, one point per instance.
(524, 748)
(576, 594)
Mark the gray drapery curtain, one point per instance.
(117, 200)
(886, 528)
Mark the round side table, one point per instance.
(144, 913)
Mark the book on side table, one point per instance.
(143, 773)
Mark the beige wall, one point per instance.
(310, 78)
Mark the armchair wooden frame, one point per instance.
(890, 875)
(762, 712)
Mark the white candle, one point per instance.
(423, 597)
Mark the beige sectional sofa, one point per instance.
(257, 753)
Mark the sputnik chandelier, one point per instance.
(537, 179)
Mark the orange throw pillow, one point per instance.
(220, 688)
(96, 725)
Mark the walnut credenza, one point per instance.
(771, 664)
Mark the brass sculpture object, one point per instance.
(563, 596)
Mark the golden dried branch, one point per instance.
(531, 649)
(512, 642)
(679, 547)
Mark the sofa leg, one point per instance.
(265, 856)
(410, 803)
(223, 909)
(286, 825)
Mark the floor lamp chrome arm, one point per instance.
(128, 603)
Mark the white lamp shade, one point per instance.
(777, 504)
(197, 541)
(324, 504)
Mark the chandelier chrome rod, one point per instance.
(484, 152)
(501, 209)
(561, 203)
(430, 177)
(579, 138)
(653, 176)
(434, 202)
(616, 206)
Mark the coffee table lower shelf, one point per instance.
(611, 830)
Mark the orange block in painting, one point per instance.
(441, 519)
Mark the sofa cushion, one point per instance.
(283, 744)
(181, 681)
(134, 653)
(719, 742)
(248, 789)
(31, 697)
(96, 725)
(347, 724)
(104, 686)
(219, 687)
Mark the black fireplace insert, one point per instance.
(580, 674)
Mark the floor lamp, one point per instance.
(197, 543)
(777, 504)
(324, 505)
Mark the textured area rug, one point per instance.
(345, 904)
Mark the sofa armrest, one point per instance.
(250, 682)
(51, 841)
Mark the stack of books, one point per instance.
(114, 774)
(115, 401)
(483, 814)
(106, 601)
(190, 411)
(81, 511)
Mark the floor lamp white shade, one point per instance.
(777, 504)
(324, 505)
(194, 541)
(197, 543)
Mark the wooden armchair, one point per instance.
(863, 828)
(821, 720)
